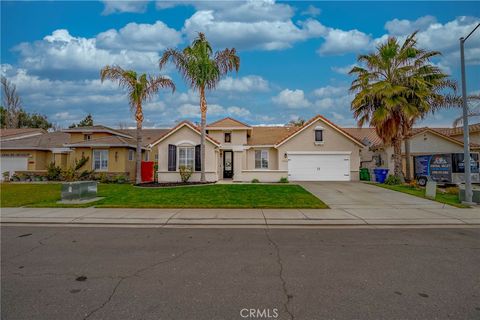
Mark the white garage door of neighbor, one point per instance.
(319, 167)
(13, 164)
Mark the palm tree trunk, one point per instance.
(397, 157)
(408, 175)
(203, 124)
(138, 169)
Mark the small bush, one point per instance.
(121, 179)
(53, 172)
(69, 174)
(185, 173)
(451, 190)
(413, 184)
(255, 180)
(283, 180)
(103, 177)
(393, 180)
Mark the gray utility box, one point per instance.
(475, 190)
(79, 190)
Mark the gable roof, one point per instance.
(370, 138)
(312, 121)
(96, 128)
(148, 135)
(228, 123)
(459, 130)
(178, 127)
(108, 141)
(44, 141)
(16, 133)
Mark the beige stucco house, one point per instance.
(317, 151)
(423, 141)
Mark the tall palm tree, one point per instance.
(140, 88)
(397, 86)
(202, 69)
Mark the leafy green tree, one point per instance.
(140, 88)
(396, 86)
(86, 122)
(202, 70)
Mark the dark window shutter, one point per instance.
(172, 157)
(198, 158)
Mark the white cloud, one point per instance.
(136, 6)
(344, 69)
(324, 103)
(154, 106)
(238, 111)
(311, 11)
(292, 99)
(330, 91)
(398, 27)
(65, 115)
(266, 35)
(243, 84)
(339, 42)
(63, 53)
(140, 37)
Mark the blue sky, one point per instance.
(294, 55)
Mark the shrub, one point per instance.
(121, 179)
(185, 173)
(15, 177)
(103, 178)
(255, 180)
(53, 172)
(6, 175)
(283, 180)
(451, 190)
(68, 174)
(413, 184)
(393, 180)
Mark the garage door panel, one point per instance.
(319, 167)
(13, 164)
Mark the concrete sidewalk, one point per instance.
(244, 217)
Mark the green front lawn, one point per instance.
(128, 196)
(450, 199)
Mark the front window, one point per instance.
(87, 137)
(147, 156)
(100, 160)
(186, 156)
(261, 159)
(228, 137)
(131, 155)
(156, 157)
(318, 135)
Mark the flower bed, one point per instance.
(171, 184)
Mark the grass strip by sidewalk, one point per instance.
(128, 196)
(446, 198)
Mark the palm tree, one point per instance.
(140, 88)
(397, 86)
(202, 69)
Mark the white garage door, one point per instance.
(13, 164)
(318, 167)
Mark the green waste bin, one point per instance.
(364, 174)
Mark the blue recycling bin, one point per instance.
(380, 174)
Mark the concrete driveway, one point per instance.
(358, 195)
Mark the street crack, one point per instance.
(287, 295)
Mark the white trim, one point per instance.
(93, 160)
(90, 131)
(185, 142)
(261, 159)
(61, 150)
(319, 152)
(178, 128)
(319, 128)
(19, 136)
(103, 145)
(325, 122)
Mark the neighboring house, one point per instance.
(317, 151)
(110, 151)
(423, 141)
(12, 134)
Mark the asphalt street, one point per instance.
(159, 273)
